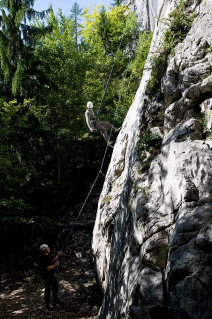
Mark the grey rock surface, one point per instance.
(147, 11)
(152, 238)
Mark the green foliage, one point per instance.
(167, 248)
(107, 199)
(159, 65)
(117, 3)
(179, 24)
(147, 141)
(75, 16)
(17, 39)
(63, 68)
(47, 157)
(105, 31)
(208, 49)
(13, 205)
(109, 221)
(147, 148)
(146, 164)
(135, 72)
(142, 50)
(18, 123)
(135, 188)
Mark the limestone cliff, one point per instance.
(153, 233)
(146, 11)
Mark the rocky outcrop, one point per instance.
(153, 233)
(146, 11)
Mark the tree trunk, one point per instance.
(58, 164)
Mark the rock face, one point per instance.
(152, 238)
(146, 11)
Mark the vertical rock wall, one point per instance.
(153, 233)
(146, 11)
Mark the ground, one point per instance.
(79, 289)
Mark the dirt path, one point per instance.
(79, 290)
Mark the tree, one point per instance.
(117, 3)
(17, 39)
(63, 67)
(75, 15)
(105, 32)
(103, 28)
(45, 146)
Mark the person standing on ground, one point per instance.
(48, 267)
(94, 124)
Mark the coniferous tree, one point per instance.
(75, 15)
(117, 3)
(17, 38)
(103, 28)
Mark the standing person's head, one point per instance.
(90, 106)
(44, 249)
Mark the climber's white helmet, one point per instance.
(89, 105)
(43, 247)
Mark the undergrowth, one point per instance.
(147, 148)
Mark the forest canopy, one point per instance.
(50, 66)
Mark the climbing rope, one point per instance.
(116, 110)
(103, 159)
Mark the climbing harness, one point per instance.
(103, 159)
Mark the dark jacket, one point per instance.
(45, 261)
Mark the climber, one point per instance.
(95, 125)
(48, 267)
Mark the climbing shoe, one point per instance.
(117, 130)
(110, 144)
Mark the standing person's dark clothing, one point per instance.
(49, 277)
(48, 266)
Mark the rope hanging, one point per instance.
(103, 159)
